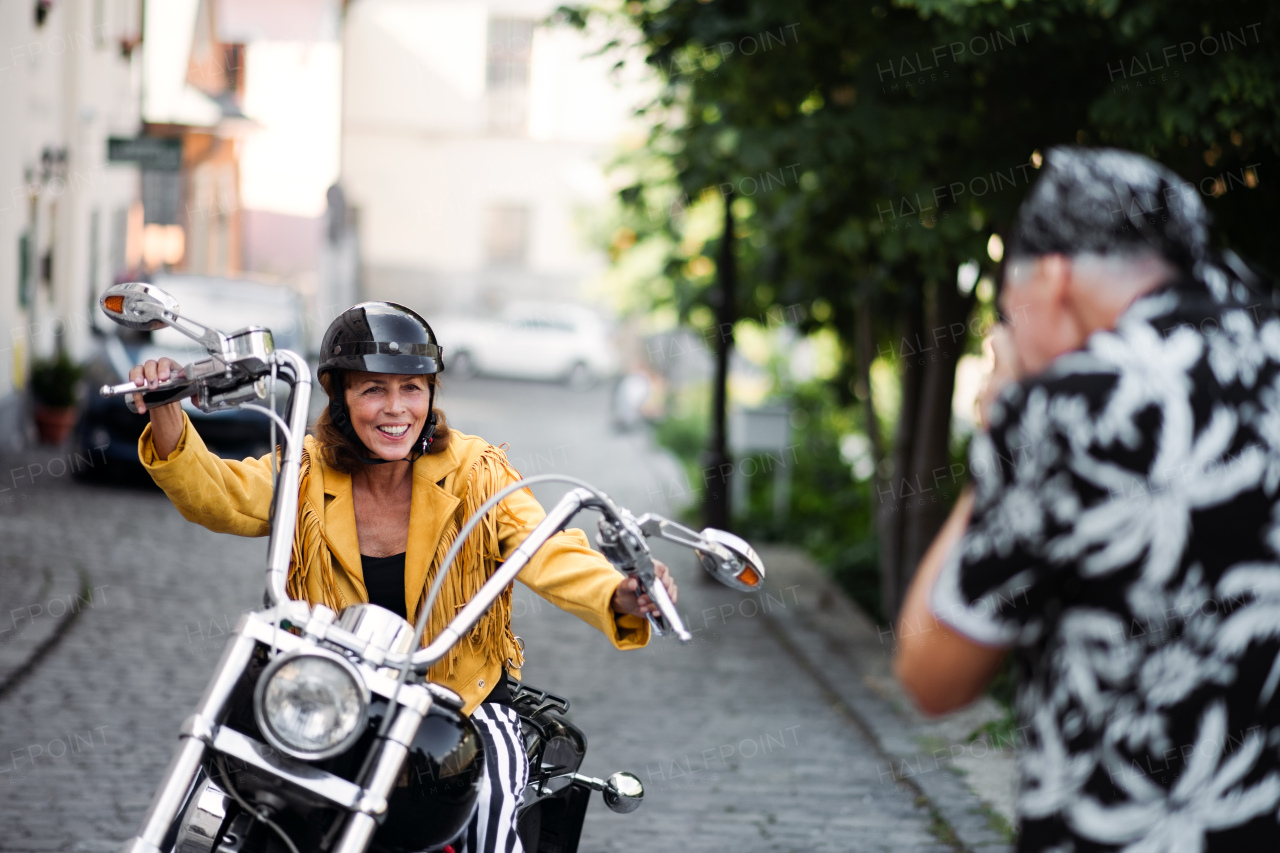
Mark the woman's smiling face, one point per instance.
(388, 411)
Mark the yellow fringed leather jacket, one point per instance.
(234, 497)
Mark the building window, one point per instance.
(99, 23)
(161, 196)
(24, 270)
(506, 80)
(95, 255)
(118, 264)
(506, 235)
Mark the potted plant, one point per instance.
(53, 385)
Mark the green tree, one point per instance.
(874, 148)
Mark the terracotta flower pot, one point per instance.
(54, 423)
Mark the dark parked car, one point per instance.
(107, 432)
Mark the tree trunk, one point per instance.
(890, 497)
(866, 340)
(912, 502)
(716, 462)
(932, 479)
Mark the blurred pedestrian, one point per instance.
(1122, 533)
(630, 394)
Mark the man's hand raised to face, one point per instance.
(1003, 361)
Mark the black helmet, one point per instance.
(380, 337)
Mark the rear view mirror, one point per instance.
(138, 306)
(146, 308)
(744, 571)
(623, 792)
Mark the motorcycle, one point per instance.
(320, 730)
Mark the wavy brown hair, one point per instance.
(342, 454)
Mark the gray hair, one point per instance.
(1108, 203)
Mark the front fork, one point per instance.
(198, 733)
(362, 824)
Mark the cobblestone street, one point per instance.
(739, 746)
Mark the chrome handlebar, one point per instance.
(622, 539)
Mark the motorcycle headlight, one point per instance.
(311, 704)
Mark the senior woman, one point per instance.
(386, 485)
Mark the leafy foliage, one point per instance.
(54, 381)
(831, 516)
(874, 147)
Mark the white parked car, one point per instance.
(530, 340)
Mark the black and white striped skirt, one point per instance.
(506, 772)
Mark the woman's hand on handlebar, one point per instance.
(625, 599)
(166, 420)
(150, 375)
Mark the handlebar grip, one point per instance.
(166, 392)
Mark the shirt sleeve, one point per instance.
(224, 495)
(996, 581)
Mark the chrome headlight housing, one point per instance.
(311, 704)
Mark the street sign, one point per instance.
(767, 430)
(764, 429)
(153, 153)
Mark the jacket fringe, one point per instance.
(476, 562)
(311, 573)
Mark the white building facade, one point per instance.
(475, 142)
(69, 220)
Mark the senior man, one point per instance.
(1122, 533)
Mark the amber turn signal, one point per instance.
(114, 304)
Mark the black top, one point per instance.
(384, 579)
(1125, 541)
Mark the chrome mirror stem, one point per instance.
(213, 341)
(623, 792)
(665, 528)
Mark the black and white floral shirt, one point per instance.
(1125, 541)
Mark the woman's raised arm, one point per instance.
(223, 495)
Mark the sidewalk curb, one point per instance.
(825, 654)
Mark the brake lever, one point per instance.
(623, 543)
